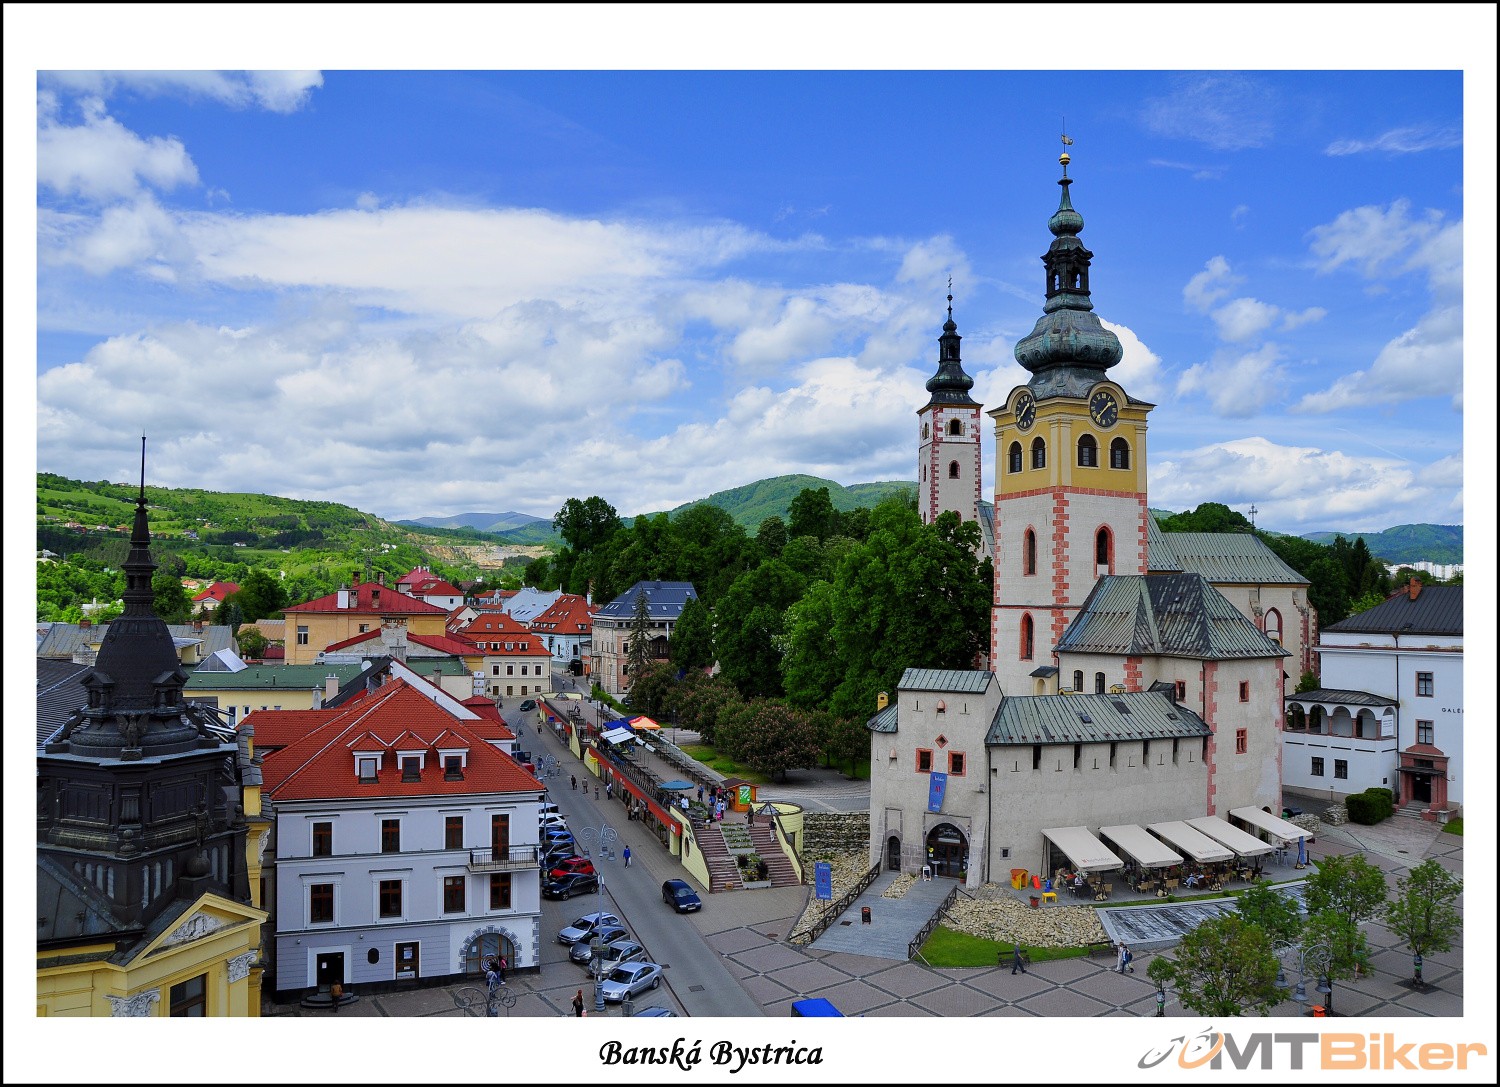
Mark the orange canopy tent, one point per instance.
(643, 723)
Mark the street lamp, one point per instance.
(1161, 999)
(1314, 960)
(606, 836)
(1416, 970)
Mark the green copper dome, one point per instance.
(950, 385)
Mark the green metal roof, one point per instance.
(264, 677)
(941, 679)
(1340, 696)
(1222, 557)
(1167, 615)
(1092, 718)
(884, 721)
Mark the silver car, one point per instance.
(631, 978)
(583, 928)
(583, 950)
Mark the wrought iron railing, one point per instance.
(932, 923)
(831, 914)
(498, 860)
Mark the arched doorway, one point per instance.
(893, 854)
(485, 945)
(947, 850)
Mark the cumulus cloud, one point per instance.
(1305, 488)
(278, 91)
(1371, 236)
(1140, 368)
(1226, 111)
(1310, 315)
(101, 160)
(1237, 386)
(1244, 319)
(1410, 140)
(1425, 360)
(1210, 285)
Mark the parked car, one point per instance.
(552, 858)
(620, 952)
(582, 951)
(552, 822)
(569, 866)
(529, 704)
(655, 1013)
(583, 927)
(576, 884)
(631, 978)
(547, 808)
(682, 898)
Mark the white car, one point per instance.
(548, 821)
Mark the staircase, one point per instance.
(781, 871)
(1413, 810)
(724, 874)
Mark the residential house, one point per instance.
(368, 606)
(612, 623)
(423, 584)
(566, 627)
(80, 642)
(210, 598)
(268, 687)
(516, 662)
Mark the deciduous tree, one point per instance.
(1271, 911)
(1424, 912)
(1225, 966)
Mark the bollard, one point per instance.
(864, 915)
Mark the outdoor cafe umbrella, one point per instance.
(644, 723)
(675, 786)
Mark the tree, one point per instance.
(812, 514)
(1345, 892)
(1308, 682)
(1424, 913)
(768, 736)
(169, 598)
(748, 622)
(700, 700)
(810, 662)
(651, 689)
(692, 641)
(1271, 911)
(586, 527)
(261, 596)
(252, 642)
(1208, 517)
(1348, 947)
(772, 536)
(231, 616)
(1225, 966)
(638, 653)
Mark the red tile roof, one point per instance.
(458, 647)
(568, 614)
(217, 591)
(433, 586)
(371, 598)
(490, 724)
(395, 717)
(493, 622)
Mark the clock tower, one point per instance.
(1070, 469)
(949, 448)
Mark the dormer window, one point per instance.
(453, 768)
(366, 766)
(411, 768)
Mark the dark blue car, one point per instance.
(682, 898)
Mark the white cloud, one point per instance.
(1210, 285)
(1236, 386)
(101, 160)
(1427, 360)
(1401, 141)
(1244, 318)
(1305, 488)
(1139, 369)
(1309, 316)
(1371, 236)
(1228, 112)
(278, 91)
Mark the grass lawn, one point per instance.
(1454, 826)
(710, 757)
(949, 947)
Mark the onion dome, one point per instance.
(950, 385)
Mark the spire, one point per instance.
(1068, 341)
(138, 565)
(950, 385)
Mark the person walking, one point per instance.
(500, 967)
(700, 794)
(573, 782)
(578, 1004)
(1016, 962)
(626, 855)
(1122, 958)
(750, 816)
(336, 990)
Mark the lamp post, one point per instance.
(1314, 960)
(1416, 970)
(605, 836)
(1161, 999)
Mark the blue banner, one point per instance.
(935, 790)
(823, 881)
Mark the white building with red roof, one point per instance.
(566, 628)
(211, 597)
(517, 663)
(406, 844)
(423, 584)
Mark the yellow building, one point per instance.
(370, 606)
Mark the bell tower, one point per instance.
(1070, 468)
(950, 442)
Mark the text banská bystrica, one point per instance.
(687, 1057)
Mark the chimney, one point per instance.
(380, 577)
(343, 600)
(85, 623)
(330, 686)
(1413, 587)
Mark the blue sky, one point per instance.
(428, 292)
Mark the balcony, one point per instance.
(514, 859)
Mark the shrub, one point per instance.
(1370, 807)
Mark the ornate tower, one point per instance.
(948, 451)
(1070, 468)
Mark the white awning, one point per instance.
(1273, 825)
(1246, 845)
(1195, 844)
(1087, 853)
(1147, 851)
(618, 735)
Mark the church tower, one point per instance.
(948, 451)
(1070, 469)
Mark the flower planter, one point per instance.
(756, 884)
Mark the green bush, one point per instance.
(1370, 807)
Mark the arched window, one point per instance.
(955, 427)
(924, 432)
(1098, 682)
(1078, 680)
(924, 473)
(1119, 453)
(1088, 452)
(1028, 553)
(1103, 550)
(1028, 638)
(1013, 455)
(1038, 453)
(1273, 625)
(953, 469)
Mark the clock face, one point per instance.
(1025, 411)
(1103, 409)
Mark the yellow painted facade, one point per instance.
(324, 628)
(1060, 422)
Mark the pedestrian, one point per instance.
(336, 990)
(1122, 958)
(626, 855)
(700, 794)
(573, 782)
(500, 967)
(609, 791)
(596, 790)
(578, 1004)
(750, 817)
(1016, 962)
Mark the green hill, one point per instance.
(754, 502)
(1407, 543)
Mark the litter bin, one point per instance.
(864, 915)
(1318, 1011)
(1035, 902)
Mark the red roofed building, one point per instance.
(516, 661)
(211, 597)
(368, 606)
(566, 628)
(423, 584)
(406, 843)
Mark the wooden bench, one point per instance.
(1104, 947)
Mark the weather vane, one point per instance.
(950, 298)
(1067, 140)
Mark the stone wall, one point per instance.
(835, 832)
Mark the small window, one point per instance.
(1424, 733)
(510, 669)
(1103, 549)
(500, 891)
(390, 836)
(367, 768)
(1013, 457)
(1119, 453)
(1028, 553)
(364, 628)
(390, 898)
(1181, 690)
(301, 635)
(1273, 625)
(453, 832)
(925, 432)
(1088, 452)
(956, 763)
(1424, 684)
(955, 427)
(189, 999)
(924, 760)
(411, 768)
(1098, 682)
(1028, 638)
(1317, 767)
(322, 839)
(453, 894)
(1244, 691)
(1241, 741)
(1038, 453)
(494, 669)
(320, 904)
(453, 768)
(953, 469)
(1341, 768)
(1078, 681)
